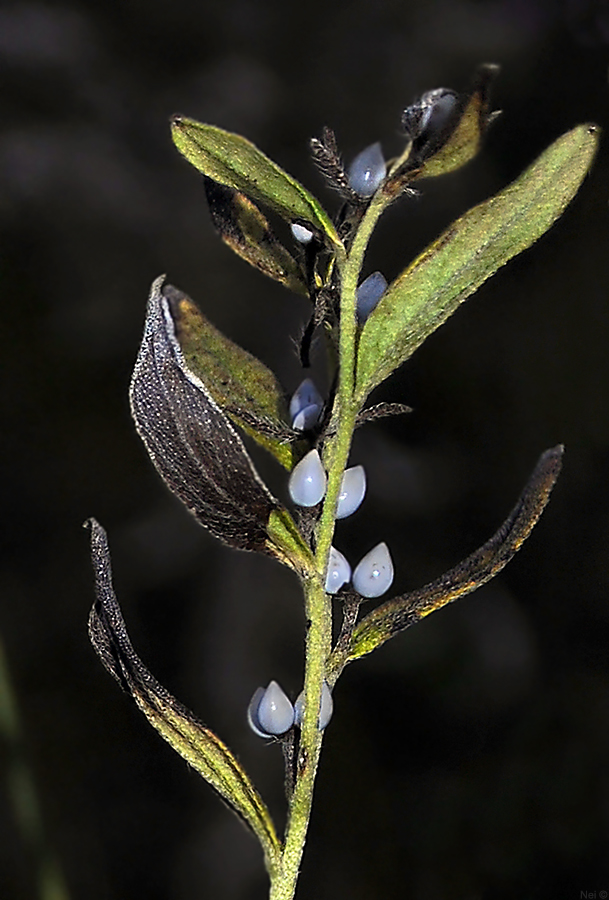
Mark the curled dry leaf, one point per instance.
(400, 613)
(188, 736)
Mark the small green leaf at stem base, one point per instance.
(189, 737)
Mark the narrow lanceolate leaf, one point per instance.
(189, 737)
(242, 386)
(400, 613)
(243, 227)
(232, 160)
(193, 445)
(469, 252)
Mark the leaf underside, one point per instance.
(191, 442)
(401, 612)
(188, 736)
(432, 287)
(235, 162)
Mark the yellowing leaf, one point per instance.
(242, 386)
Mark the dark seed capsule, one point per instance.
(367, 171)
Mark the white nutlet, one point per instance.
(307, 484)
(305, 406)
(367, 171)
(270, 712)
(373, 574)
(352, 491)
(369, 293)
(339, 571)
(302, 234)
(325, 711)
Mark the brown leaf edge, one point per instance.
(401, 612)
(186, 734)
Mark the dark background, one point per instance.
(467, 758)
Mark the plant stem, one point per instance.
(318, 604)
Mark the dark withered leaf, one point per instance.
(191, 442)
(246, 230)
(186, 734)
(400, 613)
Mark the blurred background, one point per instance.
(468, 757)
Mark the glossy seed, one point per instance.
(339, 571)
(307, 484)
(373, 574)
(367, 171)
(252, 713)
(305, 406)
(326, 708)
(352, 491)
(369, 293)
(275, 713)
(302, 234)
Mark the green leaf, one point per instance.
(241, 385)
(471, 250)
(243, 227)
(188, 736)
(194, 447)
(400, 613)
(232, 160)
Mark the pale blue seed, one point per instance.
(339, 571)
(369, 293)
(252, 713)
(306, 395)
(307, 418)
(325, 711)
(352, 491)
(302, 234)
(367, 171)
(373, 574)
(275, 712)
(307, 484)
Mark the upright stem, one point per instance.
(318, 604)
